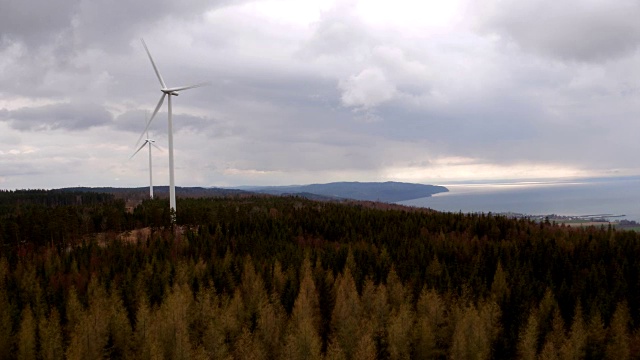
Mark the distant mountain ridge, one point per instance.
(389, 191)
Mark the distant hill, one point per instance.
(371, 191)
(142, 193)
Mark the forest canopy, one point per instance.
(83, 276)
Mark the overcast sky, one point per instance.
(317, 91)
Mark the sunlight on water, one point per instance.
(617, 196)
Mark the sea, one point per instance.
(618, 198)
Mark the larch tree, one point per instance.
(574, 347)
(26, 337)
(345, 320)
(596, 337)
(174, 323)
(246, 347)
(618, 335)
(500, 287)
(473, 334)
(399, 333)
(303, 340)
(145, 345)
(528, 339)
(6, 327)
(50, 334)
(120, 332)
(433, 329)
(90, 334)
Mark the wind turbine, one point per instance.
(150, 143)
(166, 92)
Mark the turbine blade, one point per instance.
(180, 88)
(137, 151)
(155, 68)
(156, 146)
(151, 118)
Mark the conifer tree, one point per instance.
(399, 332)
(397, 294)
(214, 336)
(596, 336)
(334, 351)
(433, 334)
(499, 287)
(618, 334)
(247, 348)
(375, 309)
(5, 321)
(253, 292)
(303, 340)
(472, 335)
(27, 336)
(528, 339)
(345, 320)
(366, 348)
(90, 335)
(120, 330)
(271, 323)
(174, 313)
(74, 309)
(575, 346)
(50, 334)
(145, 344)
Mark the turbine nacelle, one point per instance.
(169, 92)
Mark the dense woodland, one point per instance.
(289, 278)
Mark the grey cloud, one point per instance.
(67, 116)
(588, 31)
(338, 33)
(367, 89)
(33, 21)
(93, 23)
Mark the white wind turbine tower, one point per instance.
(166, 92)
(148, 142)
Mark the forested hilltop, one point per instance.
(245, 277)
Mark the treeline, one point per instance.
(272, 278)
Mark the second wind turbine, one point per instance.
(149, 142)
(166, 92)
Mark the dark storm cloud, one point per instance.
(572, 30)
(66, 116)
